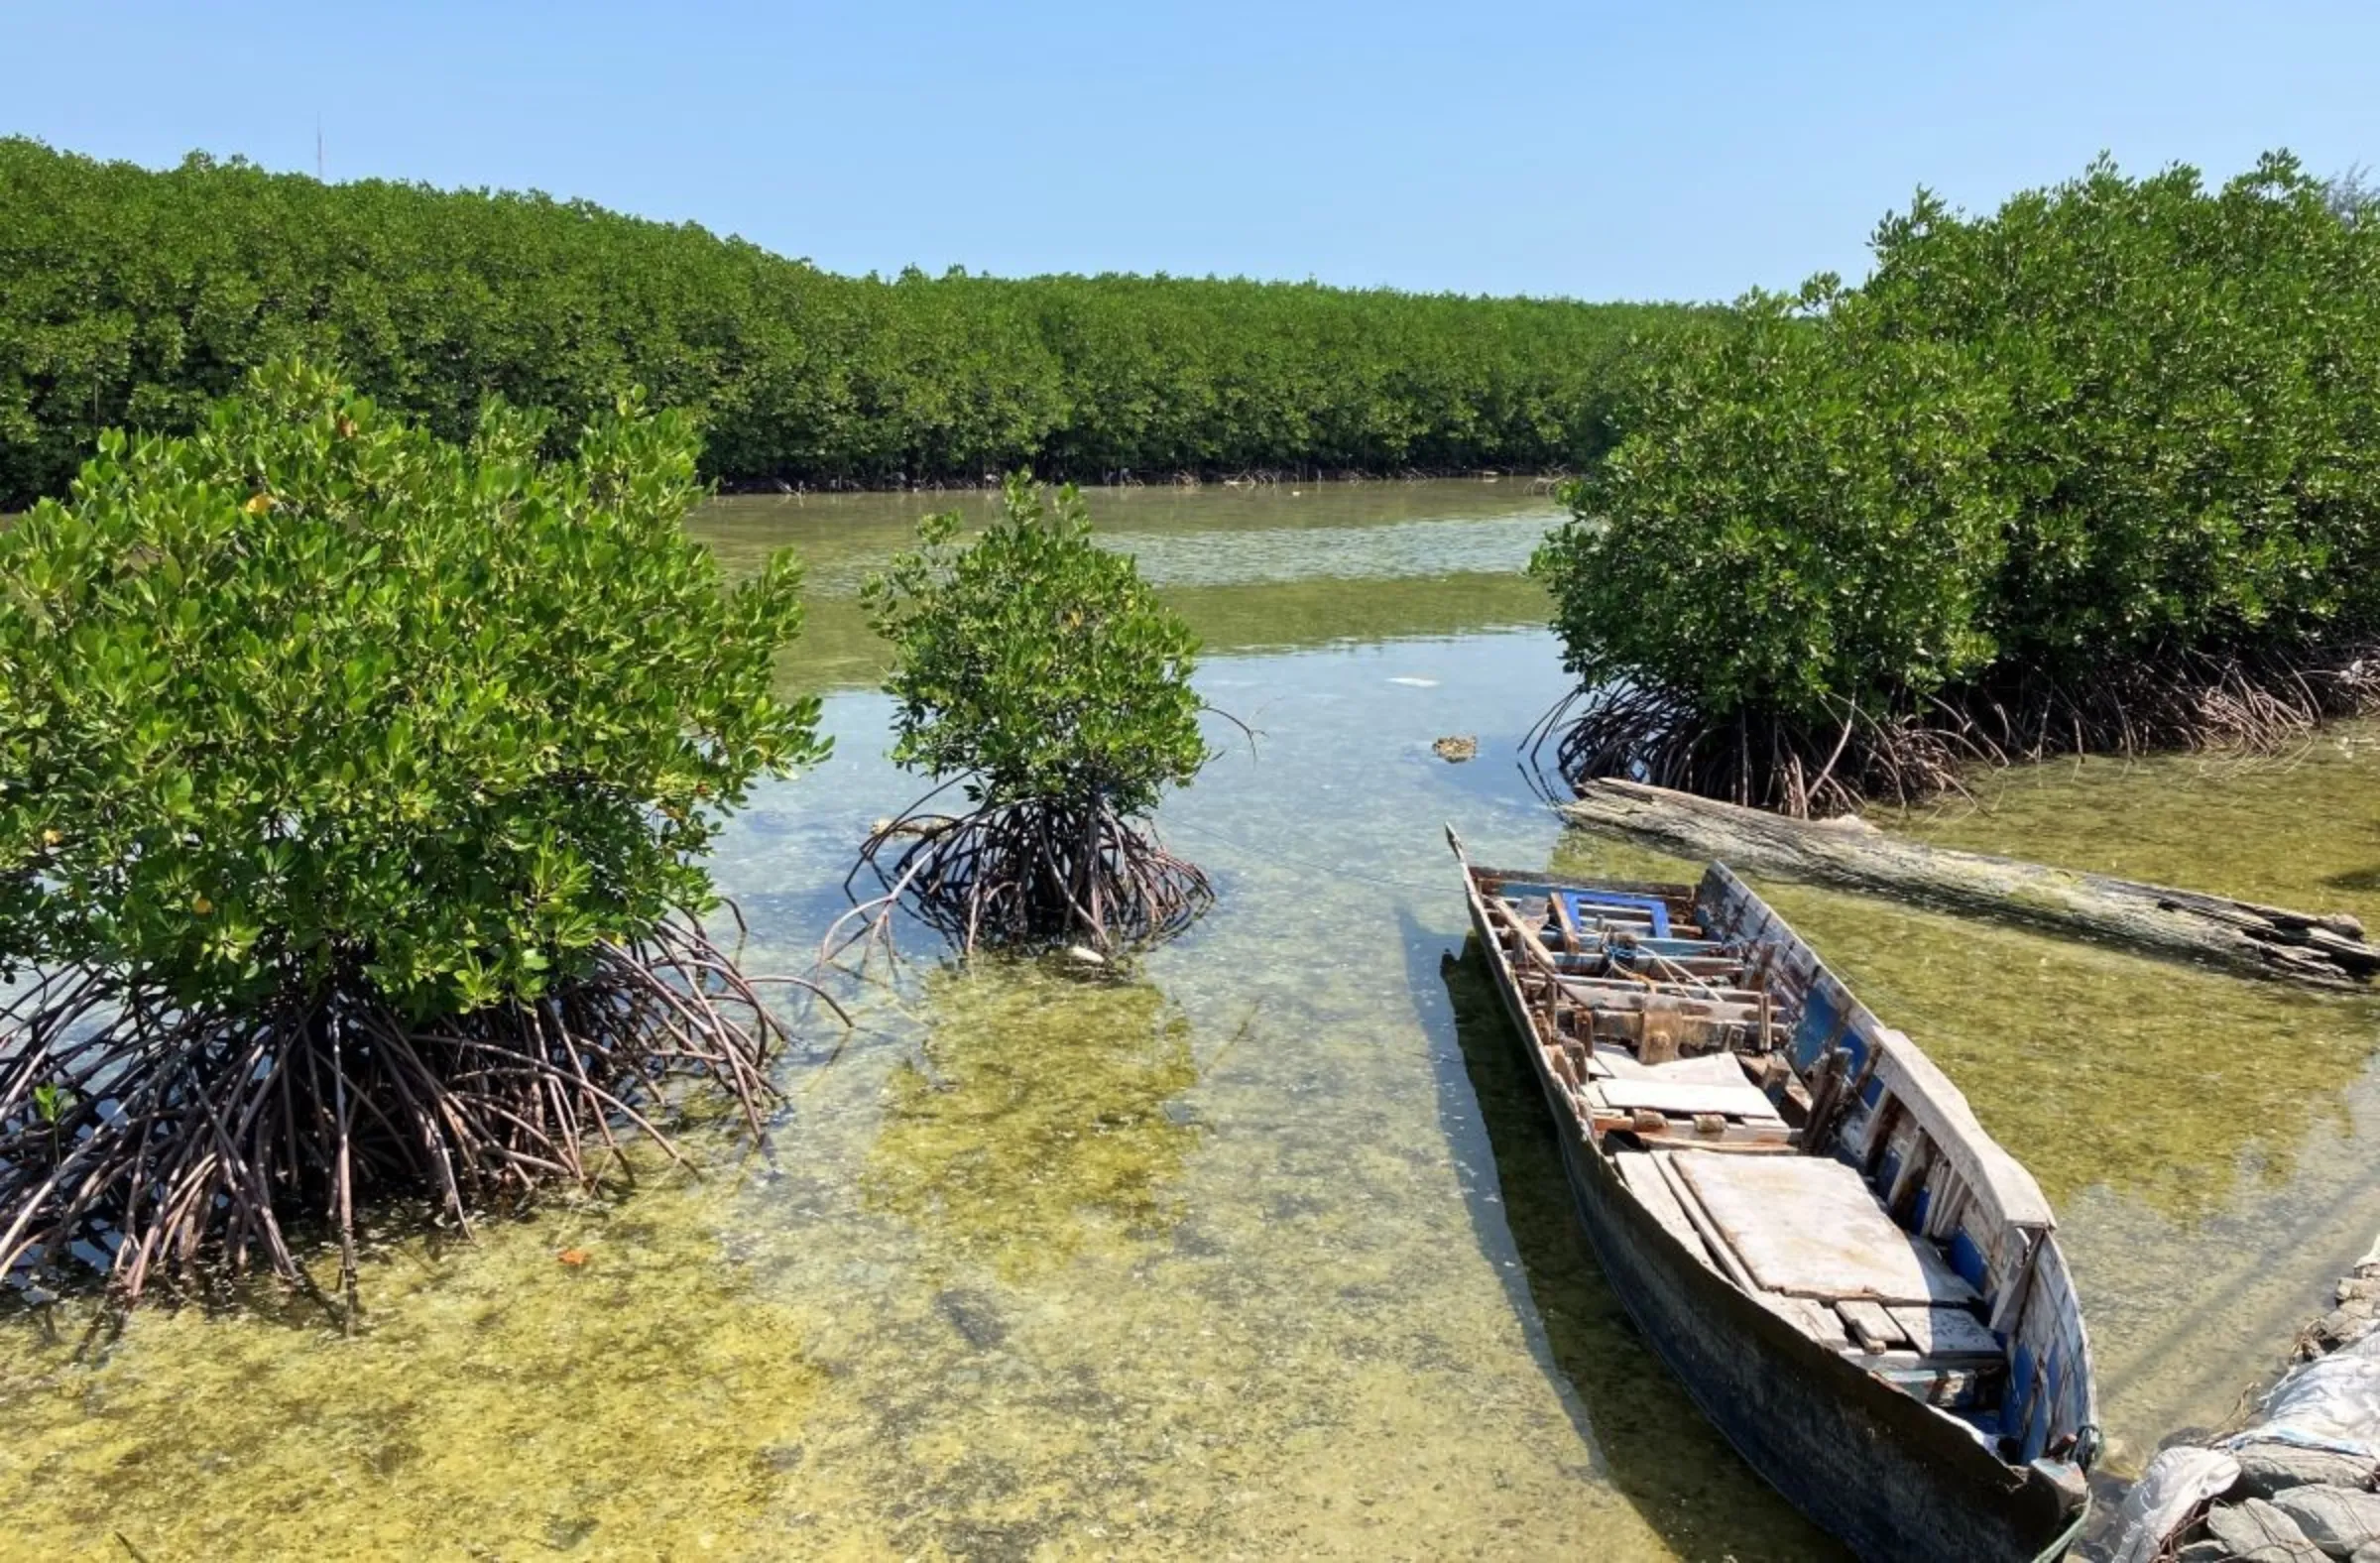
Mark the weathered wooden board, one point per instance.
(1702, 1069)
(1871, 1324)
(2325, 949)
(1809, 1226)
(1814, 1319)
(1948, 1384)
(1942, 1332)
(1766, 1137)
(1684, 1097)
(1613, 993)
(1644, 1180)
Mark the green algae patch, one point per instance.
(585, 1382)
(1038, 1115)
(1275, 569)
(2163, 1084)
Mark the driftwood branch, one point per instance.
(2324, 950)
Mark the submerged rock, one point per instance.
(2335, 1518)
(2269, 1468)
(2346, 1322)
(975, 1316)
(2257, 1529)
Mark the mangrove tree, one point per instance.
(1037, 673)
(2100, 471)
(355, 788)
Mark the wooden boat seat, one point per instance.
(1691, 1098)
(1943, 1336)
(1949, 1335)
(1960, 1384)
(1699, 1069)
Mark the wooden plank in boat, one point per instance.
(1659, 993)
(1644, 1180)
(1815, 1320)
(1770, 1137)
(1871, 1324)
(1701, 1069)
(1947, 1333)
(1685, 1098)
(1950, 1385)
(1810, 1227)
(1691, 1035)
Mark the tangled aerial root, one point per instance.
(1804, 769)
(155, 1139)
(1028, 875)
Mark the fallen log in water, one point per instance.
(2324, 950)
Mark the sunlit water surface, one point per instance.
(1263, 1250)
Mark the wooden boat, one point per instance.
(1853, 1282)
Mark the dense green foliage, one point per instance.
(1802, 514)
(2120, 426)
(130, 296)
(1034, 662)
(1040, 673)
(2192, 387)
(312, 698)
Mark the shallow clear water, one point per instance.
(1262, 1251)
(1251, 567)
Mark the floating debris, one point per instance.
(1454, 751)
(918, 825)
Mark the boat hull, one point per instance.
(1889, 1476)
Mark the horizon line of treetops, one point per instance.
(135, 296)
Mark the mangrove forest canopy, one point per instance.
(2097, 471)
(131, 298)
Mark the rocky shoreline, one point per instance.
(2298, 1486)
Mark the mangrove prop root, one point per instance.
(156, 1140)
(1807, 769)
(1025, 874)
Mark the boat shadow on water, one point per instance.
(1648, 1440)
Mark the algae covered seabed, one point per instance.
(1262, 1251)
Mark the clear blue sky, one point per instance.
(1643, 151)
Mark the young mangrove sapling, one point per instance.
(1039, 674)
